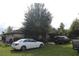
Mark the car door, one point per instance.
(33, 43)
(27, 44)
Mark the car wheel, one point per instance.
(41, 45)
(23, 48)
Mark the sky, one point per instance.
(12, 12)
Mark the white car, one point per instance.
(24, 44)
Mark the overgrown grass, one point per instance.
(49, 50)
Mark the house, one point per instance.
(15, 34)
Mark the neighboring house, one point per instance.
(15, 34)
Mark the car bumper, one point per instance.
(15, 47)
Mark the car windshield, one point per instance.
(20, 40)
(65, 37)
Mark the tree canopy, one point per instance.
(37, 19)
(9, 29)
(61, 30)
(74, 29)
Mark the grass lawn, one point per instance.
(49, 50)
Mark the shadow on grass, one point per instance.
(27, 50)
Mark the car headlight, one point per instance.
(16, 44)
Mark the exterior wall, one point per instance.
(12, 36)
(18, 35)
(8, 37)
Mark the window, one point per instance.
(29, 40)
(32, 40)
(25, 41)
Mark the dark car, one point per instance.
(61, 39)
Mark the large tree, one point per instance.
(74, 29)
(37, 20)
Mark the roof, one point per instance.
(17, 32)
(14, 32)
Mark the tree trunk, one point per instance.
(45, 38)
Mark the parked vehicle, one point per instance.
(24, 44)
(75, 44)
(61, 39)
